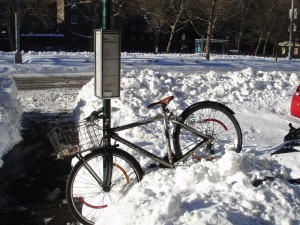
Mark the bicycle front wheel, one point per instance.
(86, 198)
(214, 120)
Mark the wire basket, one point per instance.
(71, 139)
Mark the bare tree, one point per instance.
(276, 13)
(240, 21)
(169, 16)
(267, 21)
(209, 12)
(211, 24)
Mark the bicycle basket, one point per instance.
(74, 138)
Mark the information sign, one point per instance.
(107, 63)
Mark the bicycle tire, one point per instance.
(212, 119)
(85, 196)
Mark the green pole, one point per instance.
(108, 159)
(18, 56)
(106, 24)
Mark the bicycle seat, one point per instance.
(161, 102)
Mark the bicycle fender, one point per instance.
(206, 103)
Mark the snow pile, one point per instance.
(248, 93)
(217, 192)
(10, 115)
(203, 194)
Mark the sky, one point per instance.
(258, 90)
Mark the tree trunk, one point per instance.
(266, 43)
(258, 45)
(239, 42)
(170, 40)
(173, 28)
(210, 28)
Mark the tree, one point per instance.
(267, 22)
(276, 16)
(210, 12)
(168, 16)
(210, 28)
(240, 21)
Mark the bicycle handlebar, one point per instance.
(95, 115)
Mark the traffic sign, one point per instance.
(107, 63)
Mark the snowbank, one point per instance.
(10, 116)
(217, 192)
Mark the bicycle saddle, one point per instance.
(161, 102)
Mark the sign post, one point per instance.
(291, 30)
(106, 24)
(18, 56)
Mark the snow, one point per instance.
(10, 116)
(258, 90)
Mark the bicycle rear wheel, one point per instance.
(86, 198)
(214, 120)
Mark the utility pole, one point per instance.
(291, 14)
(18, 56)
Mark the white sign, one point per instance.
(107, 63)
(295, 13)
(294, 28)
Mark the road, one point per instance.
(41, 82)
(32, 180)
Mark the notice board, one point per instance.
(107, 51)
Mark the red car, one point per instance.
(295, 105)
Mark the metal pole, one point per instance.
(106, 5)
(18, 56)
(290, 53)
(108, 159)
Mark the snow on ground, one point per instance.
(259, 90)
(10, 116)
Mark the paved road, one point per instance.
(32, 180)
(39, 82)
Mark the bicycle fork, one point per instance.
(105, 181)
(107, 158)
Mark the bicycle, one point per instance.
(104, 172)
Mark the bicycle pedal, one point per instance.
(207, 158)
(152, 165)
(210, 158)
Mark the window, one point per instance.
(73, 19)
(31, 12)
(3, 23)
(2, 11)
(52, 24)
(33, 24)
(296, 51)
(52, 12)
(46, 11)
(283, 51)
(73, 4)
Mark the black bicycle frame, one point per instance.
(105, 183)
(112, 133)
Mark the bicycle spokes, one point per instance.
(219, 133)
(89, 198)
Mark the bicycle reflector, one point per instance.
(295, 104)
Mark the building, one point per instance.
(284, 49)
(49, 25)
